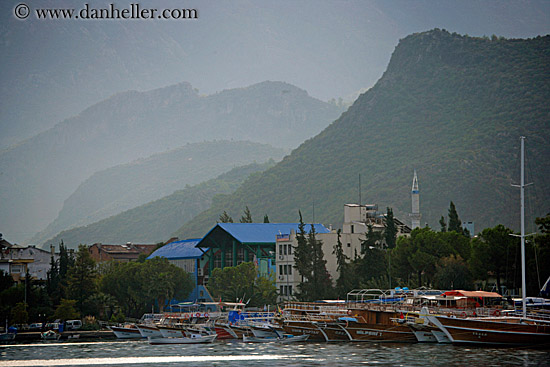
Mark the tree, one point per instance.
(6, 280)
(266, 219)
(453, 273)
(320, 283)
(165, 281)
(66, 310)
(225, 218)
(242, 283)
(247, 217)
(492, 253)
(454, 221)
(443, 224)
(390, 230)
(302, 260)
(344, 281)
(82, 277)
(372, 239)
(126, 283)
(19, 314)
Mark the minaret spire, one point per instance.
(415, 198)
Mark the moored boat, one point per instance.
(193, 339)
(129, 331)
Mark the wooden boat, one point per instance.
(171, 331)
(193, 339)
(495, 331)
(129, 331)
(378, 326)
(304, 327)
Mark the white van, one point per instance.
(73, 324)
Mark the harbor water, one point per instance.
(236, 353)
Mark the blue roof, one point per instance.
(179, 250)
(263, 232)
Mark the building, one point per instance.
(229, 244)
(357, 219)
(124, 253)
(18, 260)
(185, 255)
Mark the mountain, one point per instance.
(40, 173)
(55, 68)
(154, 221)
(450, 106)
(123, 187)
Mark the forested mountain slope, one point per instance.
(155, 221)
(450, 106)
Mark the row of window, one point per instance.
(285, 249)
(285, 269)
(285, 290)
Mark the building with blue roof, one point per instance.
(233, 243)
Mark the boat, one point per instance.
(524, 330)
(149, 331)
(128, 331)
(50, 335)
(193, 339)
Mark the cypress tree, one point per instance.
(454, 220)
(390, 230)
(247, 217)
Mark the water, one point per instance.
(235, 353)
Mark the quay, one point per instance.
(26, 336)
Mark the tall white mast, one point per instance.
(522, 195)
(415, 198)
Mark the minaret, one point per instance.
(415, 198)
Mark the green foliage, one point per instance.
(443, 224)
(6, 281)
(225, 218)
(82, 276)
(242, 283)
(19, 314)
(454, 221)
(266, 219)
(67, 310)
(453, 273)
(247, 216)
(390, 229)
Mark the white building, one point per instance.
(357, 218)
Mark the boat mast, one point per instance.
(522, 196)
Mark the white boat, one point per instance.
(50, 335)
(149, 331)
(129, 331)
(193, 339)
(171, 332)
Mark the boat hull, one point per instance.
(380, 333)
(493, 332)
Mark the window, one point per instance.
(280, 270)
(352, 228)
(284, 249)
(17, 268)
(280, 249)
(290, 290)
(218, 259)
(289, 249)
(240, 255)
(281, 291)
(349, 244)
(289, 269)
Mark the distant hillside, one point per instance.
(127, 186)
(155, 221)
(40, 173)
(450, 106)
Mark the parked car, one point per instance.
(52, 326)
(73, 324)
(36, 326)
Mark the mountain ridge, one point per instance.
(457, 123)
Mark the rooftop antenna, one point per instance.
(359, 189)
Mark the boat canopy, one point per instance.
(473, 294)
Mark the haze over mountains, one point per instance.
(40, 173)
(78, 97)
